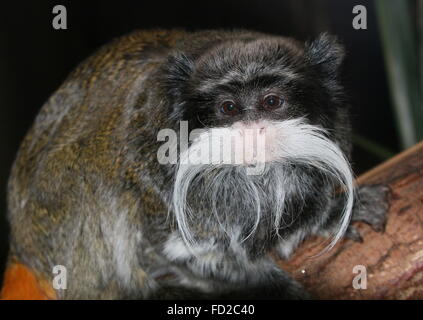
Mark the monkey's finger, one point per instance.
(353, 234)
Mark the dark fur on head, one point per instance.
(306, 74)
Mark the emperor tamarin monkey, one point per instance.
(88, 190)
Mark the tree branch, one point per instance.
(393, 259)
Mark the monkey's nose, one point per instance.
(258, 127)
(260, 130)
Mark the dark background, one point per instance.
(35, 58)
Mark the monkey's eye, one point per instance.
(229, 108)
(272, 101)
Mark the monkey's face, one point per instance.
(268, 78)
(276, 89)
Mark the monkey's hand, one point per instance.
(371, 206)
(275, 284)
(267, 292)
(272, 283)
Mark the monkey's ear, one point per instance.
(178, 70)
(326, 53)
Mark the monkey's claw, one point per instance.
(353, 234)
(372, 206)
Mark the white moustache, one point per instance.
(287, 142)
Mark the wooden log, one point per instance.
(393, 259)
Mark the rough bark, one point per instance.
(393, 259)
